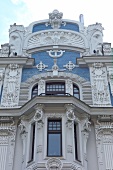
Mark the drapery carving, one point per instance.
(100, 89)
(11, 88)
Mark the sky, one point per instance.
(24, 12)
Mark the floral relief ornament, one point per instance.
(54, 163)
(38, 114)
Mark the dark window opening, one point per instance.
(75, 141)
(34, 91)
(76, 91)
(54, 138)
(32, 142)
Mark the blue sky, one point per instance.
(26, 11)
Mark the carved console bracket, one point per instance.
(54, 163)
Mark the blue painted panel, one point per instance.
(68, 26)
(40, 27)
(47, 60)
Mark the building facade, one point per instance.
(56, 97)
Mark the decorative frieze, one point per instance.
(99, 83)
(56, 38)
(11, 88)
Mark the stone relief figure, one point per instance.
(96, 43)
(55, 19)
(95, 37)
(15, 44)
(16, 33)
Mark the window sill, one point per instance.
(59, 157)
(30, 163)
(78, 162)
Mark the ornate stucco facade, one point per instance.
(56, 97)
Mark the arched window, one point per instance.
(76, 91)
(34, 91)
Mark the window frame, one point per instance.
(33, 90)
(54, 132)
(59, 92)
(32, 136)
(77, 146)
(77, 92)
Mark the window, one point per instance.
(76, 91)
(54, 137)
(34, 91)
(32, 142)
(55, 88)
(76, 142)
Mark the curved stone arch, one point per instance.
(79, 81)
(34, 40)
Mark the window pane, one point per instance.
(54, 145)
(56, 88)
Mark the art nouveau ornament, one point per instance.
(55, 19)
(107, 48)
(23, 133)
(70, 112)
(11, 88)
(110, 78)
(70, 66)
(39, 113)
(41, 66)
(104, 141)
(56, 38)
(7, 142)
(100, 89)
(41, 87)
(5, 50)
(95, 36)
(69, 86)
(54, 164)
(16, 34)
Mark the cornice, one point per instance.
(86, 61)
(81, 107)
(23, 61)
